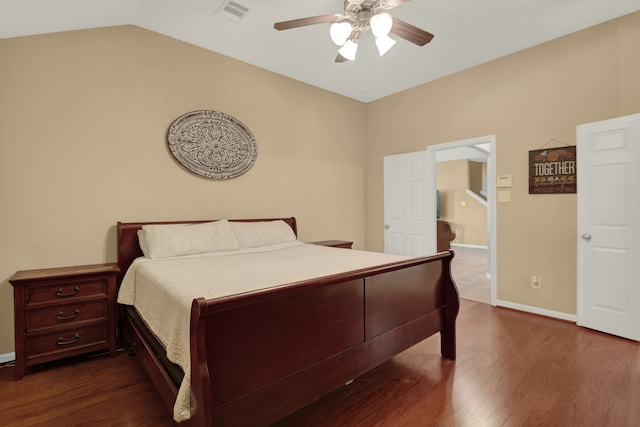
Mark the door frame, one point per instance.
(491, 196)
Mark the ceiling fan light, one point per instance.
(381, 24)
(349, 50)
(384, 44)
(340, 32)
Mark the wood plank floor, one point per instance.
(83, 391)
(513, 369)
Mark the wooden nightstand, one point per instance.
(61, 312)
(334, 243)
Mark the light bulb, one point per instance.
(384, 44)
(349, 50)
(381, 24)
(340, 32)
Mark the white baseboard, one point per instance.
(463, 245)
(5, 358)
(537, 310)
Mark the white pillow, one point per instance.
(262, 233)
(143, 243)
(168, 240)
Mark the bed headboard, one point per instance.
(129, 249)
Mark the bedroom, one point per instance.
(85, 114)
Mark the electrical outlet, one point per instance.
(536, 283)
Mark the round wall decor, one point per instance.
(212, 144)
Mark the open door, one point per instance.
(608, 167)
(409, 214)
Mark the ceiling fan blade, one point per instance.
(341, 58)
(410, 32)
(295, 23)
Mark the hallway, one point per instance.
(469, 271)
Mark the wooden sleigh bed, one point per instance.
(260, 356)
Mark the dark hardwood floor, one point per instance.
(83, 391)
(513, 369)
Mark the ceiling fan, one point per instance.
(360, 16)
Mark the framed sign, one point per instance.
(552, 170)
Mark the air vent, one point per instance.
(233, 10)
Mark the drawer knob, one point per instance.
(75, 339)
(61, 294)
(61, 316)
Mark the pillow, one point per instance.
(143, 243)
(168, 240)
(262, 233)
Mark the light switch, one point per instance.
(504, 181)
(504, 196)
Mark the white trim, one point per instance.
(5, 358)
(537, 310)
(477, 198)
(465, 245)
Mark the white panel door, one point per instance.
(608, 161)
(409, 205)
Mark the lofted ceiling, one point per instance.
(467, 33)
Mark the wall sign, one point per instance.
(552, 170)
(212, 144)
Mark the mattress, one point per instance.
(162, 290)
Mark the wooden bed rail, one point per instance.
(260, 356)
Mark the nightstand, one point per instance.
(334, 243)
(61, 312)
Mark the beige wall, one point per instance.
(477, 176)
(466, 215)
(525, 99)
(83, 123)
(84, 115)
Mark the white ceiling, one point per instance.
(467, 33)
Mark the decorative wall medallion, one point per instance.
(212, 144)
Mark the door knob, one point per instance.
(586, 236)
(386, 226)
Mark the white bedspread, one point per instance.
(162, 290)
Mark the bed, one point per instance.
(258, 354)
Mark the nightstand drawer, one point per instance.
(66, 340)
(66, 291)
(64, 314)
(63, 311)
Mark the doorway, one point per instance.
(470, 149)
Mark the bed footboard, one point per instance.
(258, 357)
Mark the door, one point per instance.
(608, 168)
(409, 215)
